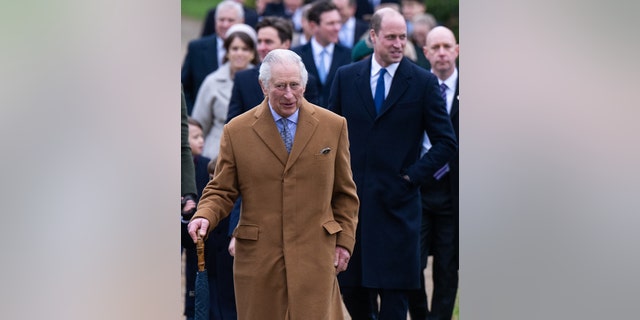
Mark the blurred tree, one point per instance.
(446, 13)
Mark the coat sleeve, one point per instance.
(188, 179)
(345, 201)
(334, 103)
(203, 107)
(441, 135)
(220, 193)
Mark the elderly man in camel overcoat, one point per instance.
(300, 207)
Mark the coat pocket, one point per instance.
(332, 227)
(247, 232)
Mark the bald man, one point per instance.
(439, 234)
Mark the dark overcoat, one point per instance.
(384, 147)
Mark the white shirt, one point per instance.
(316, 48)
(452, 83)
(293, 121)
(346, 32)
(296, 18)
(388, 77)
(221, 50)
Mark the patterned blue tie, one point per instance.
(378, 98)
(286, 134)
(322, 70)
(443, 92)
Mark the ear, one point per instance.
(372, 36)
(264, 88)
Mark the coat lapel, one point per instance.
(265, 127)
(307, 124)
(456, 101)
(363, 87)
(308, 61)
(399, 85)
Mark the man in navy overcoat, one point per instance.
(387, 167)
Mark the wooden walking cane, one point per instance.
(202, 285)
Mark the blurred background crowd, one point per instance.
(224, 41)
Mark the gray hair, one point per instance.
(285, 57)
(426, 19)
(230, 4)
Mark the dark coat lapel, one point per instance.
(455, 103)
(210, 50)
(363, 87)
(306, 54)
(399, 85)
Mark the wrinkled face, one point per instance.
(441, 50)
(226, 18)
(327, 31)
(389, 43)
(239, 55)
(268, 40)
(346, 11)
(284, 89)
(196, 140)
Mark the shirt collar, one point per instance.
(293, 118)
(451, 82)
(317, 48)
(375, 67)
(350, 24)
(219, 43)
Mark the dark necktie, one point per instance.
(378, 98)
(443, 92)
(286, 134)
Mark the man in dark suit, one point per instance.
(273, 33)
(209, 25)
(352, 28)
(440, 210)
(385, 135)
(204, 55)
(323, 55)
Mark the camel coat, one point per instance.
(296, 209)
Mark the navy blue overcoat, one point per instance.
(384, 147)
